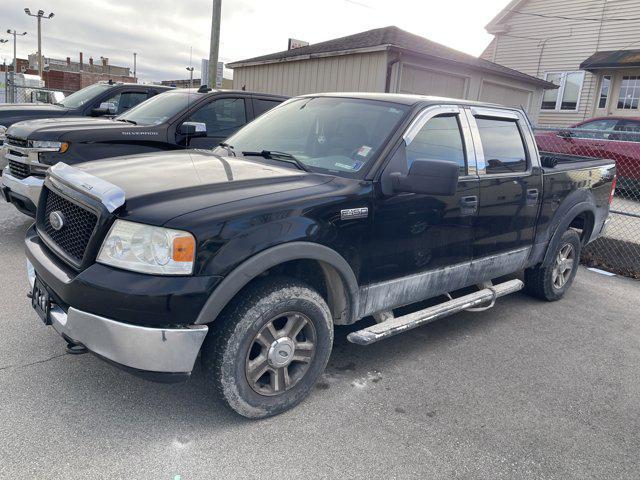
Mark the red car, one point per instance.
(616, 138)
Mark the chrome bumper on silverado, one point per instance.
(158, 350)
(28, 187)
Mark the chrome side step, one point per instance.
(394, 326)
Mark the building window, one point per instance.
(629, 93)
(567, 97)
(604, 91)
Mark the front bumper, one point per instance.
(27, 188)
(157, 350)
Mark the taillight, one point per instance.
(613, 189)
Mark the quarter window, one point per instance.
(439, 139)
(502, 145)
(567, 96)
(629, 93)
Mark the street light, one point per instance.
(190, 70)
(40, 15)
(15, 61)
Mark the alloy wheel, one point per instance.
(280, 354)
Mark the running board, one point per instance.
(394, 326)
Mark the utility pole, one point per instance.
(190, 70)
(15, 61)
(215, 42)
(39, 16)
(134, 65)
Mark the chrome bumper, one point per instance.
(162, 350)
(27, 187)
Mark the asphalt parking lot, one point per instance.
(525, 390)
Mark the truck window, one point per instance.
(439, 139)
(502, 145)
(222, 117)
(126, 100)
(261, 105)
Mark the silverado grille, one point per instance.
(79, 224)
(18, 170)
(17, 142)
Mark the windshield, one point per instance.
(83, 96)
(159, 109)
(339, 135)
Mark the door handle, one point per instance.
(532, 196)
(468, 205)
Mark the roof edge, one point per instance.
(495, 22)
(333, 53)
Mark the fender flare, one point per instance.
(269, 258)
(561, 224)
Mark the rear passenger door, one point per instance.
(223, 117)
(510, 182)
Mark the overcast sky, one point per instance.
(162, 32)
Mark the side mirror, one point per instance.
(565, 134)
(428, 177)
(193, 129)
(105, 108)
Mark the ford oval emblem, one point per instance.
(56, 219)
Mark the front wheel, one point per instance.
(270, 346)
(551, 282)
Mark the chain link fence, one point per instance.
(26, 94)
(618, 250)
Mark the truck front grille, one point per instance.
(79, 224)
(18, 170)
(17, 142)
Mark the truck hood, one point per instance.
(162, 186)
(55, 128)
(15, 112)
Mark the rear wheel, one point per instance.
(270, 347)
(552, 281)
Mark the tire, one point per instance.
(551, 282)
(250, 336)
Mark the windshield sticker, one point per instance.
(343, 166)
(364, 150)
(357, 165)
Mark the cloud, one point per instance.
(163, 32)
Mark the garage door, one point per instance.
(505, 95)
(429, 82)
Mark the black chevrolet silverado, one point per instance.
(323, 211)
(102, 98)
(178, 119)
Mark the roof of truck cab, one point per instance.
(405, 98)
(220, 90)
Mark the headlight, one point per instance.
(51, 146)
(146, 249)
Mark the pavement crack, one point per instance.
(23, 365)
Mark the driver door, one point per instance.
(415, 233)
(223, 117)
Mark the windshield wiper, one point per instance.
(228, 148)
(125, 120)
(279, 156)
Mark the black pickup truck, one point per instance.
(102, 98)
(177, 119)
(323, 211)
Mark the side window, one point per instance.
(222, 117)
(502, 145)
(261, 105)
(604, 125)
(631, 129)
(123, 101)
(439, 139)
